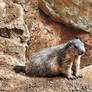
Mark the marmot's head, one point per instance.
(76, 47)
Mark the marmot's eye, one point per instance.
(75, 46)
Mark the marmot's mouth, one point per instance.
(81, 53)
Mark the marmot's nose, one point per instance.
(81, 53)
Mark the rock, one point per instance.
(14, 33)
(5, 58)
(14, 49)
(76, 13)
(87, 71)
(12, 21)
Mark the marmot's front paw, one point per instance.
(71, 77)
(78, 75)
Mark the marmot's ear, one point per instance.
(69, 44)
(76, 37)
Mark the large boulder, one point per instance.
(12, 19)
(14, 33)
(76, 13)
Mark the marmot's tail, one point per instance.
(19, 69)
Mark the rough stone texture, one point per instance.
(12, 18)
(13, 30)
(76, 13)
(87, 73)
(14, 49)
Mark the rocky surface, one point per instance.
(38, 31)
(87, 73)
(14, 49)
(12, 19)
(72, 13)
(13, 30)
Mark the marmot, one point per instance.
(61, 59)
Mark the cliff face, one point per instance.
(25, 30)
